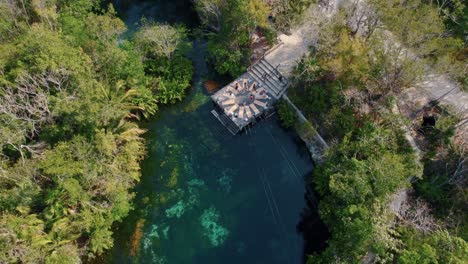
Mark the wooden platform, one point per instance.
(249, 97)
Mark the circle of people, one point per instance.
(243, 101)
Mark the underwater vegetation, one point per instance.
(180, 197)
(173, 179)
(215, 233)
(196, 182)
(152, 239)
(198, 100)
(188, 198)
(177, 210)
(155, 234)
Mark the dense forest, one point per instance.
(71, 93)
(351, 86)
(74, 88)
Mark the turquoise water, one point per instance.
(208, 197)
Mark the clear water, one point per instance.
(208, 197)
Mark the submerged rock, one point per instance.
(215, 233)
(241, 248)
(136, 237)
(225, 182)
(166, 232)
(211, 86)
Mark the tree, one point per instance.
(69, 152)
(46, 11)
(288, 11)
(158, 41)
(287, 114)
(354, 183)
(164, 48)
(229, 47)
(392, 68)
(13, 19)
(437, 247)
(210, 13)
(418, 26)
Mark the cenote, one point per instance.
(206, 196)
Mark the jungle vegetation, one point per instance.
(231, 26)
(71, 91)
(349, 87)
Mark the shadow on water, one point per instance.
(314, 232)
(160, 11)
(206, 196)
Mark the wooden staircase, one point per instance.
(269, 76)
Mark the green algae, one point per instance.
(147, 243)
(196, 182)
(176, 210)
(215, 233)
(196, 101)
(188, 199)
(154, 231)
(152, 239)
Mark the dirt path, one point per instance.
(293, 47)
(439, 87)
(433, 86)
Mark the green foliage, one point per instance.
(444, 130)
(288, 12)
(370, 161)
(355, 181)
(339, 86)
(418, 25)
(320, 100)
(164, 48)
(67, 254)
(287, 114)
(347, 58)
(444, 170)
(226, 61)
(427, 28)
(70, 91)
(438, 247)
(229, 47)
(13, 20)
(161, 41)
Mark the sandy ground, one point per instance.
(433, 87)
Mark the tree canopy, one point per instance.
(71, 90)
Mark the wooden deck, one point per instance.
(250, 96)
